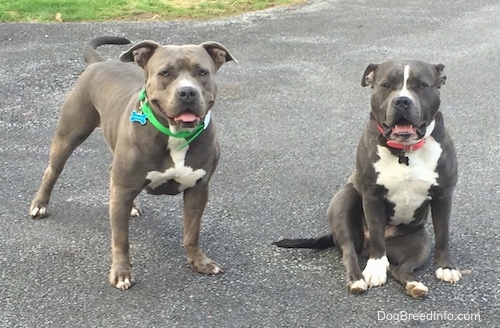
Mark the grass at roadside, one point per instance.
(129, 10)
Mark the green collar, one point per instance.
(146, 113)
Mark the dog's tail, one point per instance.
(92, 56)
(322, 242)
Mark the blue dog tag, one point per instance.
(138, 117)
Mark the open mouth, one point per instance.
(404, 130)
(187, 119)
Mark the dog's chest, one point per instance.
(176, 178)
(408, 185)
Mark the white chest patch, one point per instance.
(184, 175)
(408, 185)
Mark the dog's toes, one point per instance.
(209, 268)
(136, 211)
(416, 289)
(206, 266)
(121, 279)
(448, 275)
(358, 286)
(124, 283)
(216, 269)
(38, 212)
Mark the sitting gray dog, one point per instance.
(156, 121)
(406, 165)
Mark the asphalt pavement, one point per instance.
(289, 117)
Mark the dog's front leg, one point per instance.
(195, 200)
(446, 269)
(120, 205)
(375, 272)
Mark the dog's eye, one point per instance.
(422, 85)
(386, 84)
(202, 72)
(165, 73)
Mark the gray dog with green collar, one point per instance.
(156, 121)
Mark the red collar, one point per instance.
(393, 144)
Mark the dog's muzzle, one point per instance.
(403, 120)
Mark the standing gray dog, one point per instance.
(156, 121)
(405, 166)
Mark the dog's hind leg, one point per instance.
(409, 252)
(345, 216)
(77, 120)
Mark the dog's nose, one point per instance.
(187, 94)
(402, 103)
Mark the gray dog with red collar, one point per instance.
(406, 165)
(155, 118)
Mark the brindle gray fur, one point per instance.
(178, 79)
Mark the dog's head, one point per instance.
(180, 80)
(405, 97)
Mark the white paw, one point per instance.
(38, 212)
(448, 275)
(375, 272)
(135, 212)
(358, 286)
(416, 289)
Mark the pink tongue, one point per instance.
(404, 129)
(186, 117)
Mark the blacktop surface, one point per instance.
(289, 117)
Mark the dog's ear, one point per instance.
(442, 77)
(218, 52)
(369, 75)
(140, 53)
